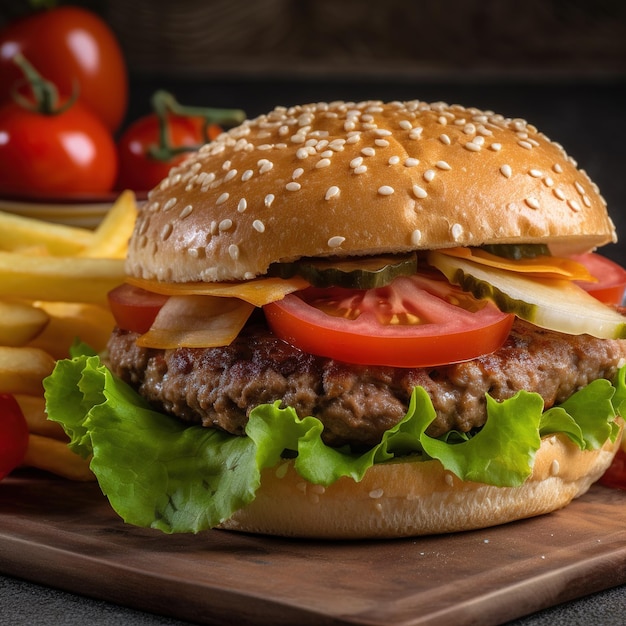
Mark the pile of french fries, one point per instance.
(54, 281)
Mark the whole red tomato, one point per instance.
(13, 434)
(55, 155)
(71, 47)
(140, 169)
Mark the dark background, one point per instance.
(560, 64)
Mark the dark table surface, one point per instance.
(587, 117)
(24, 604)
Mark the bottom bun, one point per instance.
(410, 498)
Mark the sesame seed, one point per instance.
(557, 168)
(242, 206)
(356, 161)
(247, 175)
(293, 186)
(429, 175)
(360, 170)
(302, 153)
(327, 154)
(335, 242)
(558, 193)
(368, 152)
(383, 132)
(231, 174)
(416, 237)
(381, 143)
(223, 197)
(535, 173)
(394, 160)
(376, 493)
(573, 205)
(259, 226)
(331, 192)
(233, 251)
(265, 166)
(496, 147)
(416, 133)
(166, 231)
(533, 203)
(450, 481)
(297, 173)
(419, 192)
(322, 163)
(405, 124)
(170, 204)
(579, 188)
(525, 144)
(442, 119)
(269, 198)
(443, 165)
(337, 144)
(186, 211)
(445, 139)
(506, 171)
(385, 190)
(226, 224)
(472, 146)
(410, 162)
(586, 201)
(456, 231)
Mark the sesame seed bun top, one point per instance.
(344, 179)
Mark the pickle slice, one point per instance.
(555, 304)
(367, 272)
(517, 251)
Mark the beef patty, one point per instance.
(218, 387)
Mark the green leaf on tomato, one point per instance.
(158, 472)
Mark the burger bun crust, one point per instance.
(348, 179)
(406, 499)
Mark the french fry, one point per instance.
(19, 233)
(34, 410)
(20, 322)
(70, 320)
(110, 239)
(22, 369)
(59, 279)
(54, 456)
(54, 281)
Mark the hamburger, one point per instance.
(355, 320)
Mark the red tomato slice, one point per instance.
(413, 322)
(615, 476)
(134, 308)
(13, 434)
(611, 277)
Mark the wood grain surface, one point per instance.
(65, 535)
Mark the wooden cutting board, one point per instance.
(64, 535)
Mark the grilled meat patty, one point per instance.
(218, 387)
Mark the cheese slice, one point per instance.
(197, 322)
(539, 267)
(258, 292)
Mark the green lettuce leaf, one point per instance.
(158, 472)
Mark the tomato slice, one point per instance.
(13, 434)
(615, 476)
(415, 321)
(133, 308)
(611, 277)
